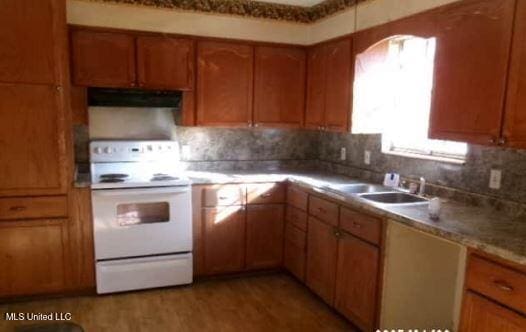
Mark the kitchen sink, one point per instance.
(394, 198)
(360, 188)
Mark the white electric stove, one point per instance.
(142, 215)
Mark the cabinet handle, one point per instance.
(322, 210)
(18, 208)
(503, 286)
(357, 225)
(223, 197)
(502, 141)
(267, 195)
(337, 232)
(492, 140)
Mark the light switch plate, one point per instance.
(495, 179)
(343, 153)
(367, 157)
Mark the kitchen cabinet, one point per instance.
(471, 66)
(224, 84)
(30, 32)
(32, 140)
(279, 86)
(103, 59)
(483, 315)
(514, 132)
(294, 255)
(224, 239)
(165, 63)
(329, 89)
(357, 280)
(34, 257)
(265, 227)
(322, 248)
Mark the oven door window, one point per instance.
(142, 213)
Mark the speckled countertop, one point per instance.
(477, 227)
(482, 228)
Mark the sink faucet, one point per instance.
(422, 189)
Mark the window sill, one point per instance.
(426, 157)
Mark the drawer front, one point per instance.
(297, 217)
(33, 207)
(324, 210)
(221, 195)
(297, 198)
(295, 236)
(265, 193)
(366, 227)
(500, 283)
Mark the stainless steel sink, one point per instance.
(394, 198)
(360, 188)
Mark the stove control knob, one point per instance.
(97, 150)
(107, 150)
(149, 148)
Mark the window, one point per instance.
(393, 89)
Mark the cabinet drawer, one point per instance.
(500, 283)
(33, 207)
(265, 193)
(366, 227)
(297, 198)
(228, 194)
(324, 210)
(297, 217)
(295, 236)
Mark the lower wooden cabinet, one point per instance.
(294, 250)
(322, 247)
(224, 239)
(483, 315)
(33, 257)
(357, 281)
(264, 236)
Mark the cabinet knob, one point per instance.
(492, 140)
(502, 285)
(17, 208)
(502, 141)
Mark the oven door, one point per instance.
(138, 222)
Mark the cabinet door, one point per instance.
(515, 117)
(30, 31)
(264, 235)
(103, 59)
(224, 84)
(338, 87)
(32, 140)
(322, 246)
(294, 251)
(33, 257)
(357, 281)
(483, 315)
(224, 239)
(316, 69)
(165, 63)
(279, 87)
(471, 64)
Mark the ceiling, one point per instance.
(303, 3)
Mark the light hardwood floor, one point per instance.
(274, 302)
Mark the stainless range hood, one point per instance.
(134, 98)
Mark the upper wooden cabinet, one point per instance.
(471, 66)
(165, 63)
(30, 34)
(279, 87)
(103, 59)
(224, 84)
(329, 86)
(514, 133)
(32, 140)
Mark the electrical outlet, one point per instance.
(495, 179)
(343, 154)
(185, 152)
(367, 157)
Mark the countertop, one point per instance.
(482, 228)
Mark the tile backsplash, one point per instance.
(245, 149)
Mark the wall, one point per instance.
(365, 15)
(473, 176)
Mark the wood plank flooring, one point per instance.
(274, 302)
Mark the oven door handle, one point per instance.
(132, 192)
